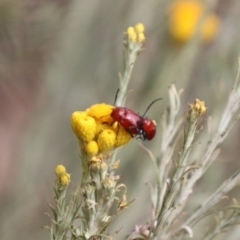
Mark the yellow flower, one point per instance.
(140, 37)
(139, 28)
(92, 148)
(101, 112)
(130, 30)
(106, 140)
(184, 17)
(102, 126)
(97, 131)
(84, 126)
(63, 176)
(65, 179)
(131, 34)
(123, 136)
(60, 170)
(135, 34)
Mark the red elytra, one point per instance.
(135, 124)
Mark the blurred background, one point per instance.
(58, 56)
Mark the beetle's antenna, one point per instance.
(116, 95)
(158, 99)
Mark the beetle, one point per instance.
(134, 123)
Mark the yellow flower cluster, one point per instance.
(136, 34)
(63, 176)
(184, 17)
(197, 108)
(97, 131)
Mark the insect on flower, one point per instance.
(135, 124)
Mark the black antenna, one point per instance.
(158, 99)
(116, 95)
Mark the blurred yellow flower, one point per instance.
(136, 33)
(139, 28)
(65, 179)
(140, 37)
(60, 170)
(184, 17)
(131, 34)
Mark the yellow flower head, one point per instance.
(102, 126)
(65, 179)
(60, 170)
(84, 126)
(92, 148)
(140, 37)
(62, 176)
(131, 34)
(97, 131)
(123, 136)
(184, 17)
(136, 34)
(106, 140)
(101, 112)
(139, 28)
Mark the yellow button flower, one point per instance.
(184, 17)
(136, 34)
(106, 140)
(131, 34)
(60, 170)
(84, 126)
(65, 179)
(140, 37)
(139, 28)
(102, 126)
(92, 148)
(123, 136)
(130, 30)
(101, 112)
(62, 176)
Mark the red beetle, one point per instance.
(135, 124)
